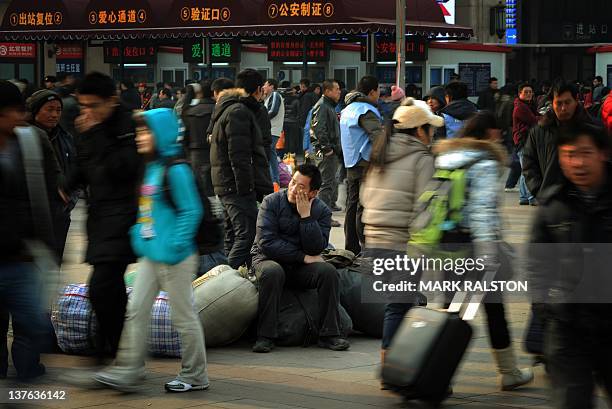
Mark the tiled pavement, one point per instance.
(301, 377)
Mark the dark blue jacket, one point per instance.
(283, 236)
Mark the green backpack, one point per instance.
(439, 210)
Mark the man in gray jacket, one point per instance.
(325, 138)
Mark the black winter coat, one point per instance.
(109, 166)
(540, 159)
(307, 102)
(263, 121)
(16, 219)
(237, 153)
(196, 119)
(325, 127)
(131, 99)
(283, 236)
(570, 253)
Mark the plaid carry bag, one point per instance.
(74, 321)
(163, 337)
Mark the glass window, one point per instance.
(27, 71)
(351, 78)
(447, 75)
(339, 75)
(179, 77)
(7, 71)
(167, 75)
(435, 76)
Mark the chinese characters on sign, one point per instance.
(386, 49)
(193, 51)
(136, 53)
(69, 68)
(300, 9)
(206, 14)
(225, 50)
(36, 19)
(115, 17)
(293, 50)
(17, 50)
(69, 59)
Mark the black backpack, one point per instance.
(209, 237)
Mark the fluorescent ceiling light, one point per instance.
(220, 64)
(134, 65)
(299, 63)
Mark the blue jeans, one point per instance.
(274, 160)
(524, 194)
(20, 295)
(210, 261)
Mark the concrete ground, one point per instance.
(299, 377)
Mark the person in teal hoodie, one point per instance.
(165, 238)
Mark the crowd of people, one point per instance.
(153, 166)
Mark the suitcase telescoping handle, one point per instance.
(476, 299)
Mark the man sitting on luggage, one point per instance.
(292, 231)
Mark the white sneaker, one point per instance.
(180, 386)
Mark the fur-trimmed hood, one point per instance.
(232, 93)
(458, 152)
(226, 99)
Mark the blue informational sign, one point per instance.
(511, 17)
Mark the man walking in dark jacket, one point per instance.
(458, 109)
(292, 231)
(574, 221)
(487, 100)
(109, 167)
(325, 139)
(240, 168)
(360, 125)
(45, 109)
(21, 223)
(540, 160)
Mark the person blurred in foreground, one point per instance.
(164, 236)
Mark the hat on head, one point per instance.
(10, 96)
(40, 98)
(142, 85)
(50, 78)
(414, 113)
(397, 94)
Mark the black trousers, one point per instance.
(353, 227)
(200, 162)
(578, 355)
(240, 212)
(108, 301)
(272, 277)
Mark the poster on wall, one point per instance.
(476, 76)
(69, 59)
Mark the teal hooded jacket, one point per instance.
(165, 233)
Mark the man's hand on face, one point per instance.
(84, 122)
(303, 204)
(313, 259)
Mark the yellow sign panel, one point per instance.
(114, 17)
(36, 19)
(301, 9)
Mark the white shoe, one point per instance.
(511, 376)
(511, 189)
(180, 386)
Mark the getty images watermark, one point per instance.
(401, 278)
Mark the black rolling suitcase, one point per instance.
(427, 349)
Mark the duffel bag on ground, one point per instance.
(367, 317)
(163, 338)
(73, 320)
(227, 304)
(298, 318)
